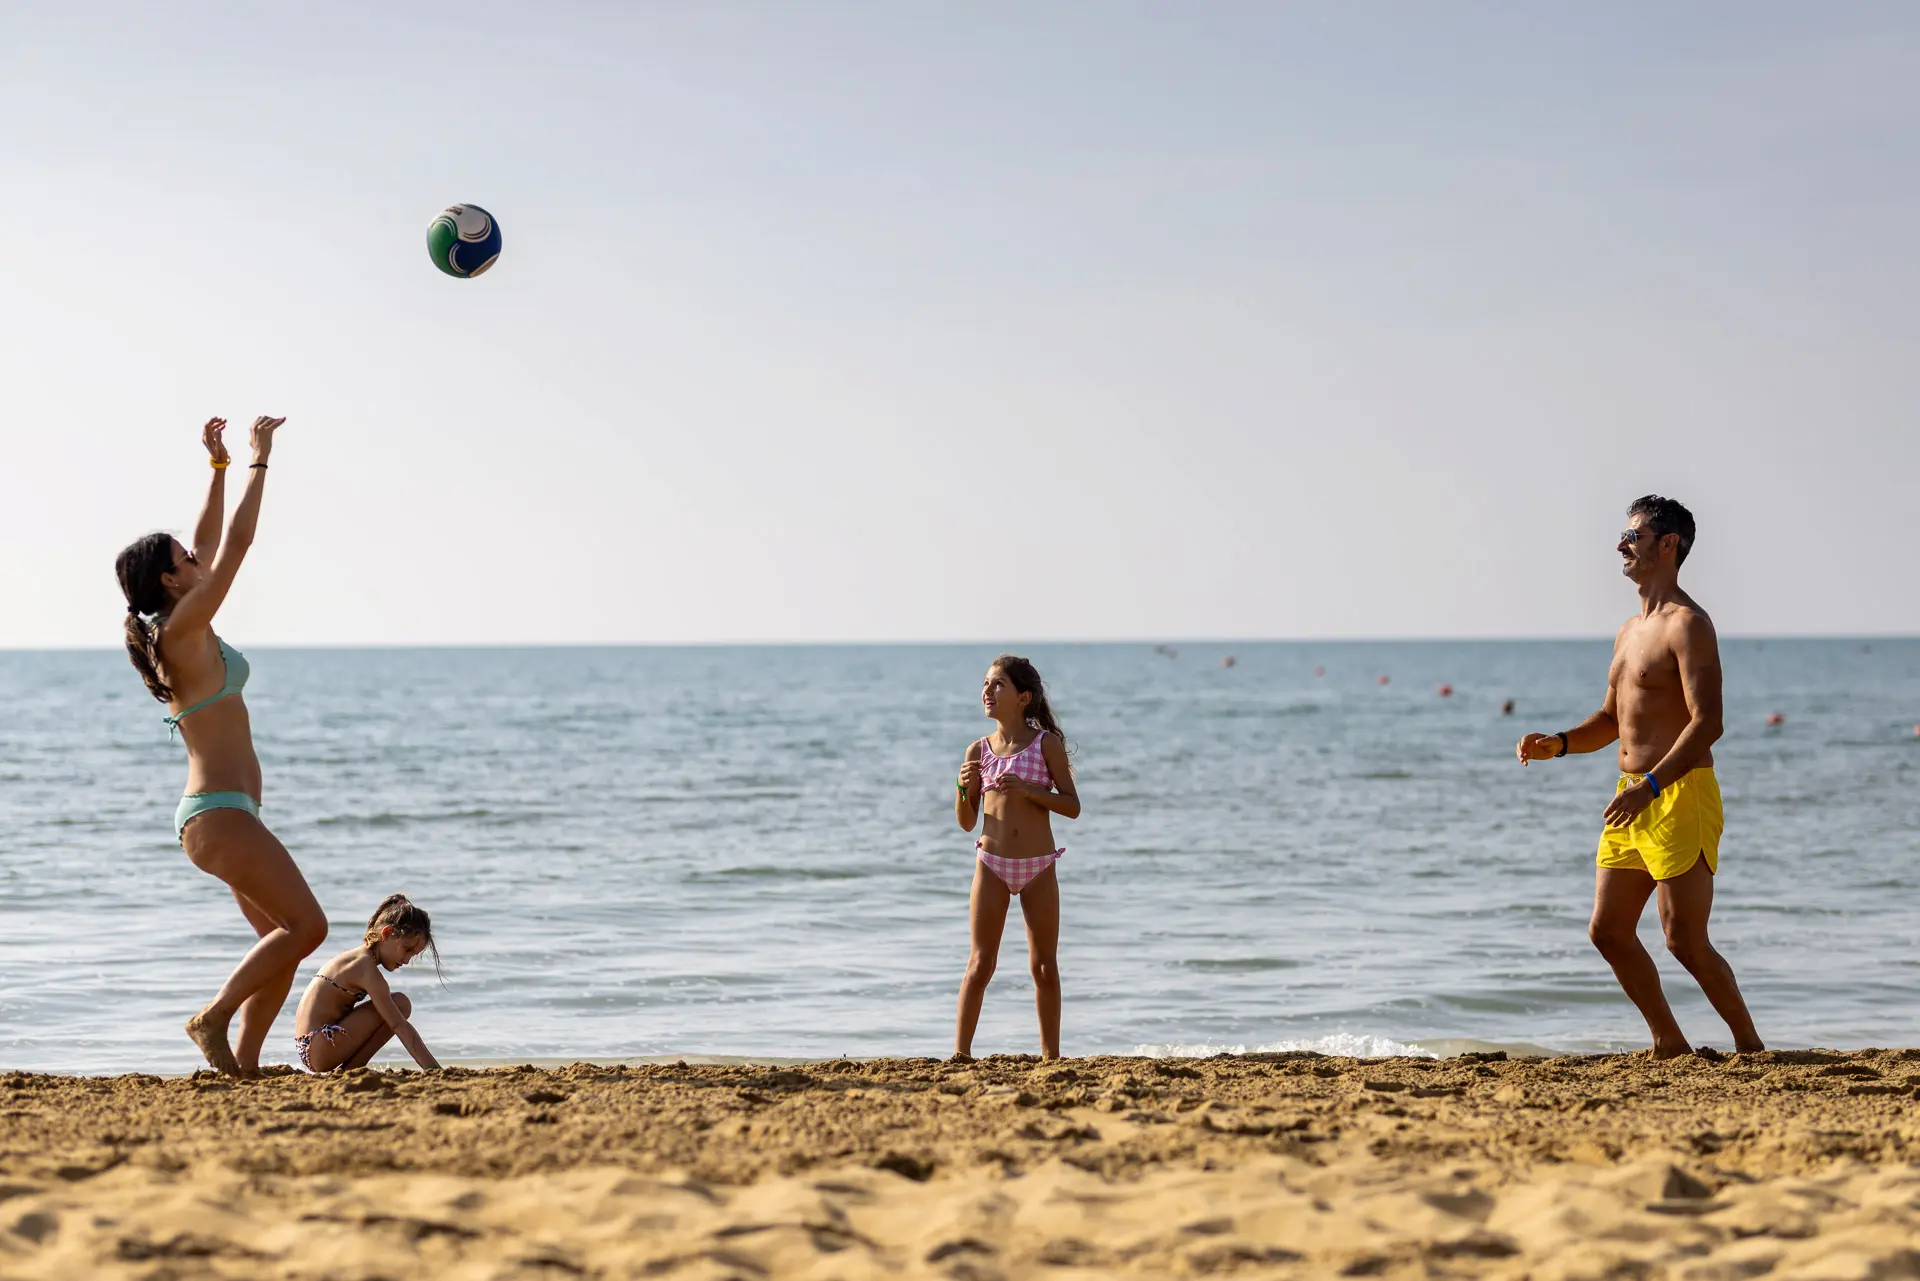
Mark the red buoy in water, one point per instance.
(1775, 718)
(1446, 691)
(1383, 680)
(1228, 661)
(1319, 671)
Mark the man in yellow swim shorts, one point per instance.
(1662, 828)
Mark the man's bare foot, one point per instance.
(211, 1036)
(1671, 1051)
(961, 1056)
(1754, 1048)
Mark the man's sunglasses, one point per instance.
(1633, 535)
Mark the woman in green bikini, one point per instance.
(172, 595)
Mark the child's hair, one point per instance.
(1025, 677)
(406, 917)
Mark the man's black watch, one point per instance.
(1562, 736)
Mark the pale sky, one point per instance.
(912, 321)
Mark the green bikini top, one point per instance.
(238, 669)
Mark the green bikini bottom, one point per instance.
(200, 802)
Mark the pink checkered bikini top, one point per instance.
(1029, 763)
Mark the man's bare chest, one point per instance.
(1646, 660)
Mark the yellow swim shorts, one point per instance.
(1682, 824)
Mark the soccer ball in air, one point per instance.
(464, 240)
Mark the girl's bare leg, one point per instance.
(364, 1033)
(258, 1011)
(988, 918)
(1040, 904)
(237, 848)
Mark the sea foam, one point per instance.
(1344, 1045)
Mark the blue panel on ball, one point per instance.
(469, 257)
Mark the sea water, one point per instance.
(751, 851)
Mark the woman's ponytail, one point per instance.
(139, 568)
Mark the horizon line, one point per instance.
(1552, 639)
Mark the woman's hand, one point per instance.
(210, 437)
(261, 437)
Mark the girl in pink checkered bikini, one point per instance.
(1019, 773)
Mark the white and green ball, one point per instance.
(464, 240)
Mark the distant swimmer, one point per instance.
(1662, 828)
(1019, 776)
(1506, 708)
(1228, 661)
(172, 595)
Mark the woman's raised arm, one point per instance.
(197, 608)
(206, 530)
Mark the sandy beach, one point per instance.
(1782, 1164)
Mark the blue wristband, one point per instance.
(1652, 782)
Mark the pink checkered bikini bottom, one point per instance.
(1017, 873)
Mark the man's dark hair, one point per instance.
(1665, 516)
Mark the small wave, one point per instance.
(1258, 713)
(1231, 964)
(1339, 1045)
(777, 874)
(388, 819)
(716, 797)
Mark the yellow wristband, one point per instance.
(217, 466)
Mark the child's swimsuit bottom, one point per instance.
(196, 803)
(1018, 873)
(1680, 826)
(304, 1042)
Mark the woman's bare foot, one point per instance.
(211, 1036)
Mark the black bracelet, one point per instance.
(1562, 736)
(261, 466)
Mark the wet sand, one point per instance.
(1794, 1164)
